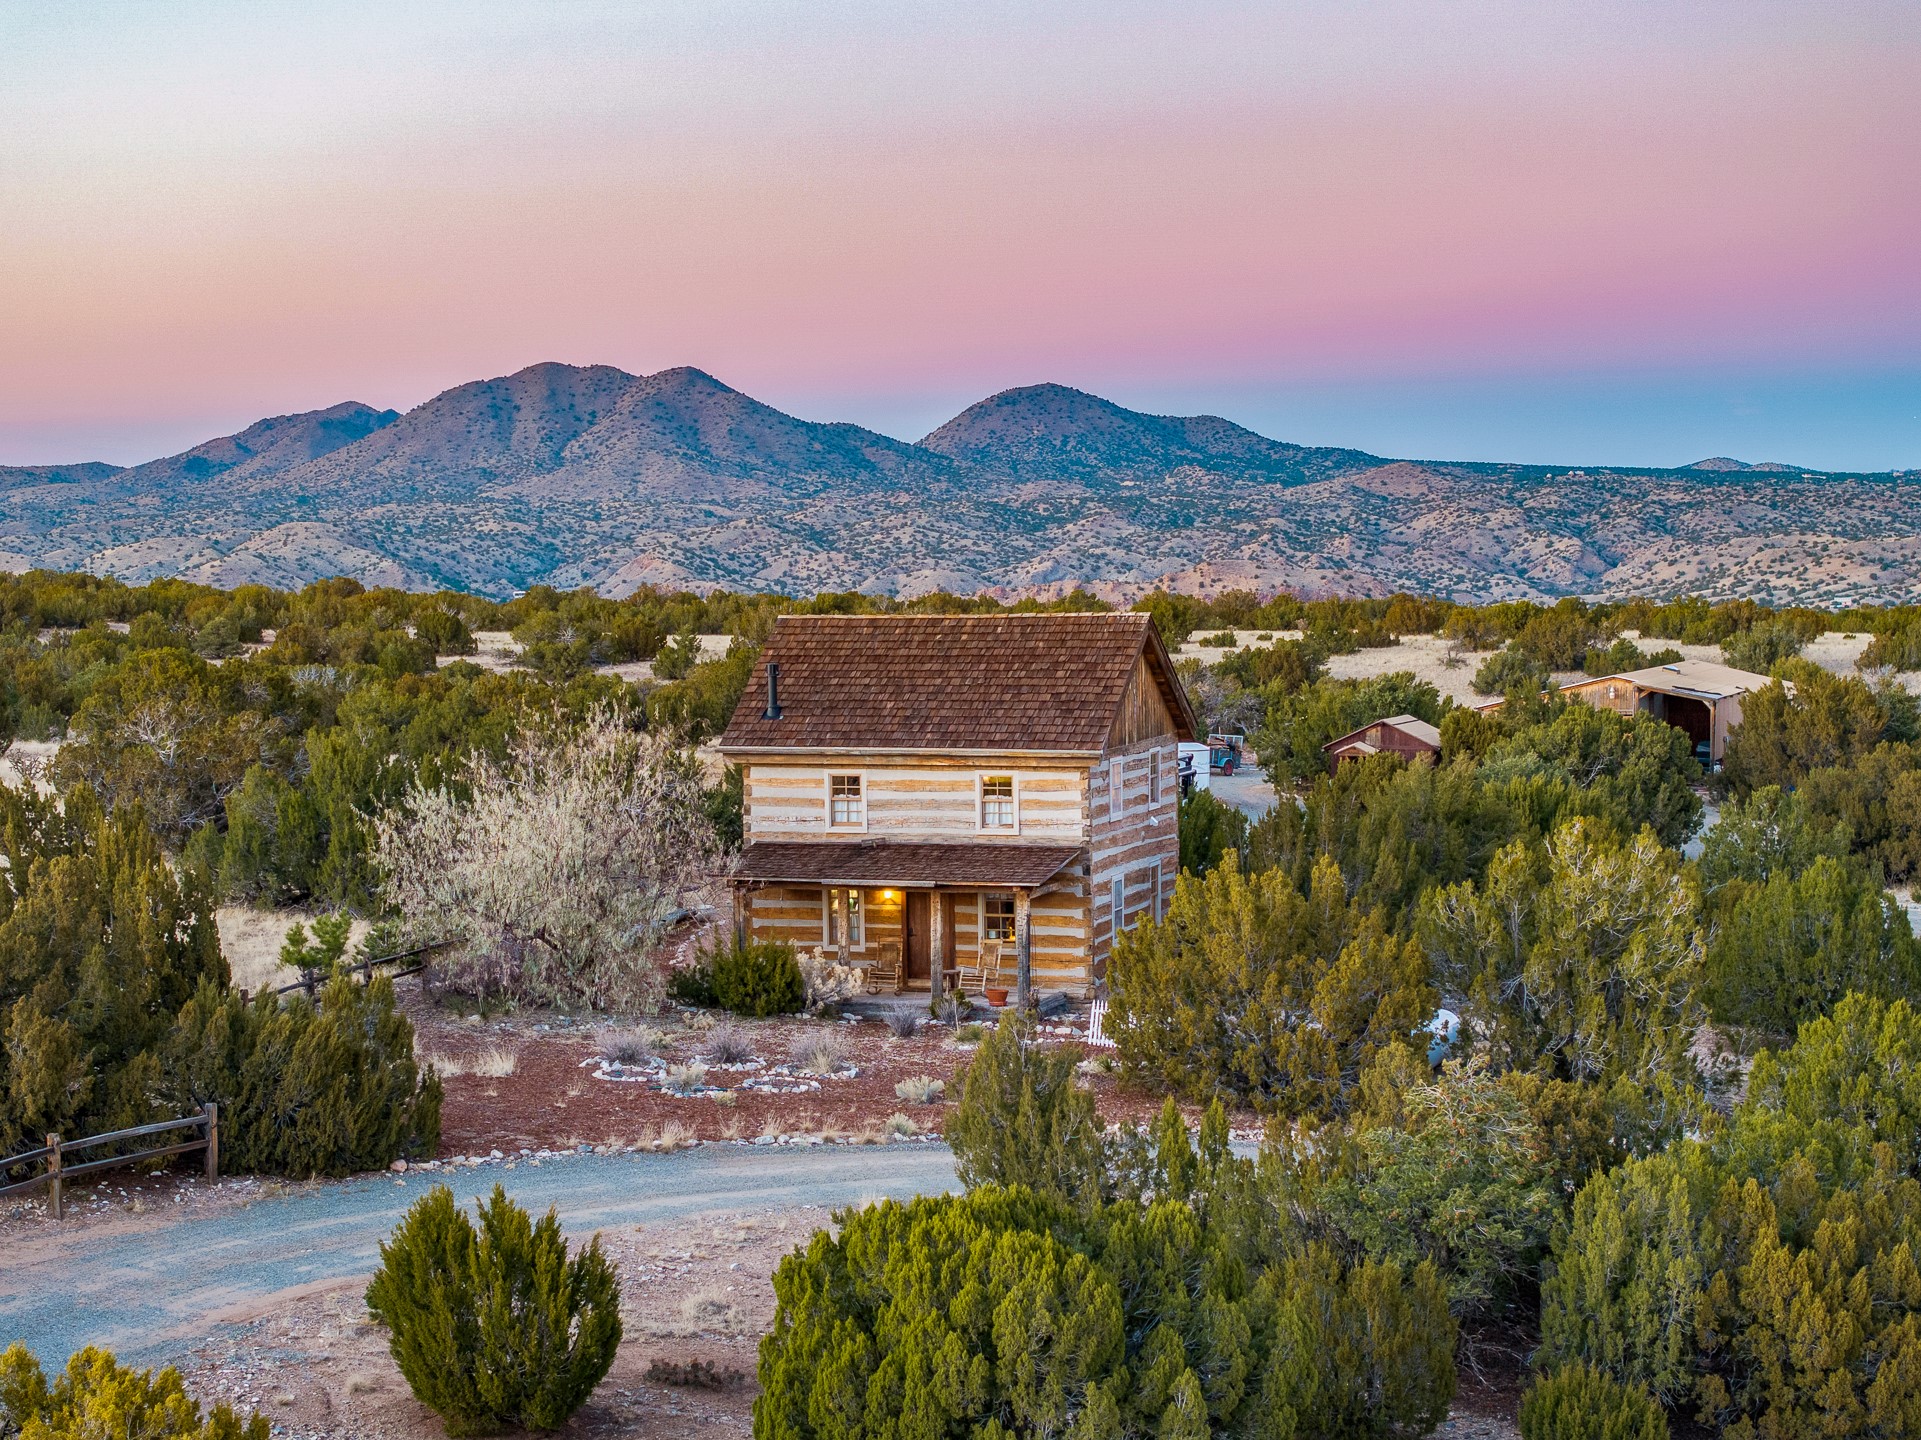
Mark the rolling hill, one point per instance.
(587, 475)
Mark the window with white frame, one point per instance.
(1154, 899)
(1119, 903)
(830, 932)
(1154, 777)
(997, 802)
(1116, 785)
(997, 918)
(846, 807)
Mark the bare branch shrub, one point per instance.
(904, 1023)
(559, 868)
(826, 981)
(730, 1044)
(626, 1045)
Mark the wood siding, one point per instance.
(1058, 921)
(1131, 833)
(926, 800)
(1143, 713)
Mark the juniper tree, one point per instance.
(1250, 990)
(100, 944)
(96, 1397)
(1023, 1121)
(498, 1326)
(1581, 957)
(1004, 1313)
(1767, 1279)
(1787, 949)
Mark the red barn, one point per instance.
(1403, 735)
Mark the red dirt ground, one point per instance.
(553, 1097)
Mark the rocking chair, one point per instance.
(885, 969)
(985, 971)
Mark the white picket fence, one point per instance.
(1097, 1024)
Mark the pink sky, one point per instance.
(882, 211)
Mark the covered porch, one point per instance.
(920, 917)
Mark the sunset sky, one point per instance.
(1566, 232)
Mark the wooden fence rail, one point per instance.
(311, 983)
(54, 1153)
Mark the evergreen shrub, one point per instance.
(1023, 1121)
(1254, 992)
(759, 979)
(1210, 831)
(1460, 1175)
(1787, 949)
(96, 1398)
(498, 1327)
(693, 985)
(1767, 1277)
(1004, 1313)
(307, 1088)
(101, 943)
(1579, 1402)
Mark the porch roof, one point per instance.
(902, 863)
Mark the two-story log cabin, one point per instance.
(936, 781)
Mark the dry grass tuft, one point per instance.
(899, 1127)
(821, 1053)
(686, 1079)
(496, 1062)
(675, 1135)
(729, 1044)
(708, 1311)
(920, 1090)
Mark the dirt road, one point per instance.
(147, 1285)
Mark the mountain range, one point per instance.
(587, 475)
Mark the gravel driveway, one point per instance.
(145, 1286)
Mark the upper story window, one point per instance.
(846, 807)
(1116, 785)
(1154, 778)
(997, 802)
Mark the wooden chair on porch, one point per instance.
(985, 969)
(886, 968)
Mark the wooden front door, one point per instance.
(914, 954)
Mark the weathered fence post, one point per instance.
(212, 1112)
(53, 1175)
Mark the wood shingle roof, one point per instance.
(904, 863)
(1050, 682)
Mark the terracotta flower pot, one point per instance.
(996, 998)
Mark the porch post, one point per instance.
(843, 911)
(936, 943)
(1024, 947)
